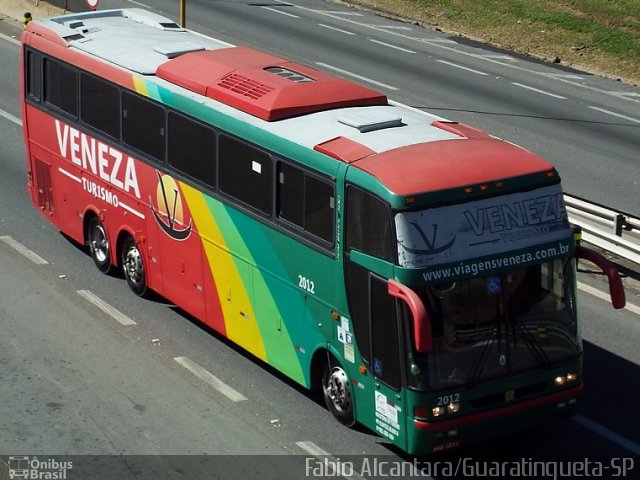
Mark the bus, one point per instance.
(417, 272)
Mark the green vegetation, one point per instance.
(600, 35)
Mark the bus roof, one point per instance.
(407, 150)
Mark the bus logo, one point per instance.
(509, 395)
(170, 211)
(431, 249)
(18, 467)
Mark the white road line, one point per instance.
(497, 57)
(333, 12)
(390, 27)
(9, 39)
(355, 75)
(113, 312)
(433, 40)
(140, 4)
(24, 251)
(608, 434)
(10, 117)
(537, 90)
(619, 115)
(331, 461)
(451, 64)
(211, 379)
(347, 32)
(406, 50)
(605, 296)
(281, 12)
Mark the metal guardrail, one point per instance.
(617, 232)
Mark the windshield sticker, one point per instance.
(481, 228)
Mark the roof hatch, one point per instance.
(263, 85)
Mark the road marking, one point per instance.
(390, 27)
(608, 434)
(211, 379)
(347, 32)
(9, 39)
(141, 4)
(281, 12)
(355, 75)
(24, 251)
(10, 117)
(543, 92)
(619, 115)
(106, 308)
(391, 46)
(333, 12)
(606, 297)
(497, 57)
(451, 64)
(329, 460)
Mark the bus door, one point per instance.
(381, 404)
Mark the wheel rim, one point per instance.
(337, 390)
(133, 267)
(99, 244)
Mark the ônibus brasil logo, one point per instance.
(170, 211)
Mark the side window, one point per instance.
(369, 228)
(384, 332)
(143, 125)
(245, 173)
(33, 74)
(192, 148)
(61, 86)
(100, 105)
(306, 201)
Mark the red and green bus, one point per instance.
(417, 271)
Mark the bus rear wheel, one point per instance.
(336, 389)
(133, 267)
(99, 245)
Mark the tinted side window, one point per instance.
(245, 173)
(100, 105)
(192, 148)
(34, 74)
(306, 201)
(369, 227)
(143, 125)
(61, 86)
(318, 208)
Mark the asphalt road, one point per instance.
(74, 380)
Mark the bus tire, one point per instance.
(99, 245)
(336, 390)
(133, 267)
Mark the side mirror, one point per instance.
(421, 321)
(616, 289)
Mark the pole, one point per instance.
(183, 13)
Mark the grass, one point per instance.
(601, 36)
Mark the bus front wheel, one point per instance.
(99, 245)
(133, 267)
(336, 389)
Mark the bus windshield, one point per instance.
(492, 326)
